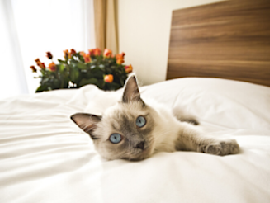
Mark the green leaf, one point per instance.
(88, 81)
(101, 84)
(96, 73)
(96, 70)
(73, 65)
(88, 65)
(74, 74)
(108, 70)
(56, 83)
(82, 65)
(42, 71)
(61, 61)
(73, 61)
(80, 57)
(62, 67)
(115, 85)
(93, 80)
(44, 81)
(42, 88)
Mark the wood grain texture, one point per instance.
(229, 39)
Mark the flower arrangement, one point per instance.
(79, 68)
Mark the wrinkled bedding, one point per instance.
(44, 157)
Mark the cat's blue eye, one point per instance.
(115, 138)
(140, 121)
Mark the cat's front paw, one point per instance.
(219, 147)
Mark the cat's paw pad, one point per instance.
(220, 147)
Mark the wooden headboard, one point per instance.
(228, 39)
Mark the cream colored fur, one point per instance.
(163, 132)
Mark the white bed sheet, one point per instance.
(44, 157)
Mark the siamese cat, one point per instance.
(134, 129)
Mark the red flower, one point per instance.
(87, 58)
(91, 52)
(52, 67)
(49, 55)
(34, 70)
(107, 53)
(37, 61)
(108, 78)
(128, 69)
(97, 52)
(94, 52)
(42, 65)
(72, 51)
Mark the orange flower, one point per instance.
(87, 58)
(128, 69)
(97, 52)
(107, 53)
(82, 53)
(34, 70)
(37, 61)
(108, 78)
(42, 65)
(52, 67)
(91, 52)
(49, 55)
(119, 61)
(66, 53)
(120, 56)
(72, 51)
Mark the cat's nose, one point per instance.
(140, 145)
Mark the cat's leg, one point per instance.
(183, 116)
(191, 138)
(189, 119)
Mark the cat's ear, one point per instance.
(131, 92)
(87, 122)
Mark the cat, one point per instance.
(133, 129)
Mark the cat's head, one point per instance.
(124, 131)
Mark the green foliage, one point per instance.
(73, 72)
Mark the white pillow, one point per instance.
(222, 102)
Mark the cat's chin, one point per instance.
(146, 153)
(137, 158)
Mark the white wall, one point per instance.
(144, 30)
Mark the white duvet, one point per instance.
(44, 157)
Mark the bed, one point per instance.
(44, 157)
